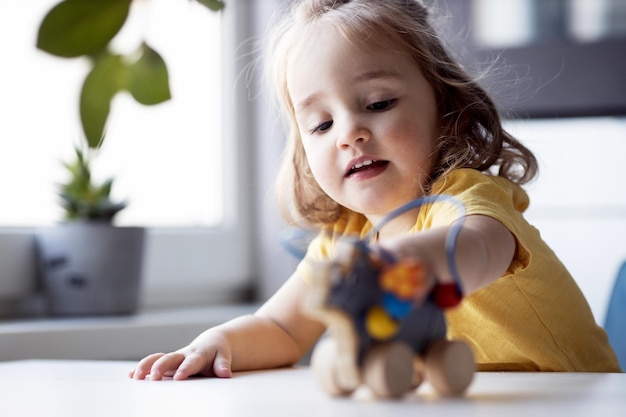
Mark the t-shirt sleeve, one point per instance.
(485, 195)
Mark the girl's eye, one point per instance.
(382, 105)
(323, 127)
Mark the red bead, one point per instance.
(447, 295)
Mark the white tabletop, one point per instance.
(101, 388)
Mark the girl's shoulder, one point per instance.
(473, 187)
(479, 193)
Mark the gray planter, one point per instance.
(90, 268)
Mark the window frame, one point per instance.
(216, 265)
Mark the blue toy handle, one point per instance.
(451, 238)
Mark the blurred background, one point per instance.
(198, 170)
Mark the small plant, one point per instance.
(84, 200)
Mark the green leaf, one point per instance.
(79, 27)
(104, 190)
(83, 199)
(214, 5)
(148, 79)
(104, 81)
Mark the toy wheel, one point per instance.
(324, 362)
(450, 367)
(388, 369)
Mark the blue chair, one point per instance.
(615, 320)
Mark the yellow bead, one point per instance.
(379, 325)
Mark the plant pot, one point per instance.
(90, 268)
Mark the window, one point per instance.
(521, 22)
(179, 164)
(161, 156)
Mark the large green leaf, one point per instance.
(107, 77)
(78, 27)
(214, 5)
(148, 80)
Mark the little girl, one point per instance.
(380, 114)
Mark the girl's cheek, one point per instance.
(322, 170)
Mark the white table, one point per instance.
(48, 388)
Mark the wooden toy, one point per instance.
(386, 325)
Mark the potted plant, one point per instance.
(89, 266)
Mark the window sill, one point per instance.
(117, 338)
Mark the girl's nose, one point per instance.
(353, 133)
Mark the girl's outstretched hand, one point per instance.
(207, 356)
(277, 334)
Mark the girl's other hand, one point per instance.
(210, 359)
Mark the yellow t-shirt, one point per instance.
(533, 318)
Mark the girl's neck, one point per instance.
(399, 226)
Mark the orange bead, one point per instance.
(404, 279)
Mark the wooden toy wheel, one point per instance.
(324, 362)
(450, 367)
(388, 369)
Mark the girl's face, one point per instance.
(367, 120)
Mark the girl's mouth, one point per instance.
(367, 165)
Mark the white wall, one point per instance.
(579, 201)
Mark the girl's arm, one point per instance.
(484, 251)
(278, 334)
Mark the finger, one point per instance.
(144, 366)
(222, 365)
(193, 364)
(166, 365)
